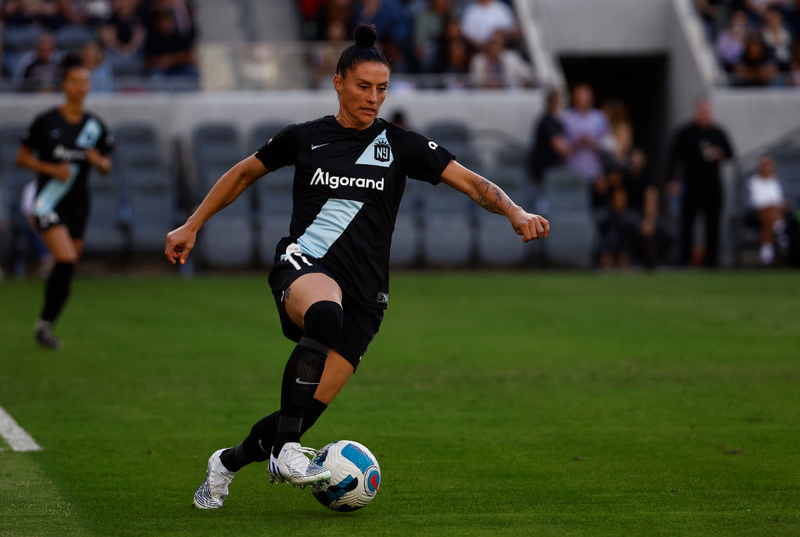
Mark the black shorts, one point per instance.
(73, 217)
(361, 323)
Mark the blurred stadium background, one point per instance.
(245, 68)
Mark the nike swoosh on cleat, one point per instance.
(306, 383)
(313, 147)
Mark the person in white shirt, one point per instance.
(499, 67)
(767, 199)
(483, 18)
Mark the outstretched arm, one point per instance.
(492, 198)
(235, 181)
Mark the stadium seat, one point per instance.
(136, 142)
(572, 228)
(216, 149)
(261, 134)
(125, 66)
(105, 232)
(72, 38)
(10, 141)
(498, 244)
(511, 166)
(406, 237)
(274, 201)
(19, 39)
(448, 132)
(227, 242)
(447, 234)
(151, 197)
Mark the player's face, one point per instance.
(362, 91)
(77, 84)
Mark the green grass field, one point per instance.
(525, 404)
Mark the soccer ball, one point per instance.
(355, 476)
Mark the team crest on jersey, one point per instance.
(378, 153)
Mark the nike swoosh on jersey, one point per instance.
(313, 147)
(297, 380)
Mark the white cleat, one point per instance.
(214, 489)
(293, 465)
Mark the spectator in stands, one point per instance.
(709, 12)
(777, 39)
(755, 68)
(5, 72)
(389, 19)
(635, 229)
(498, 67)
(618, 142)
(767, 200)
(730, 42)
(698, 151)
(38, 70)
(482, 18)
(550, 148)
(429, 25)
(795, 67)
(336, 14)
(759, 8)
(456, 70)
(102, 73)
(169, 49)
(24, 12)
(123, 33)
(585, 127)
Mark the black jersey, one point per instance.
(348, 184)
(54, 139)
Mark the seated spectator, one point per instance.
(730, 42)
(709, 12)
(337, 14)
(550, 148)
(482, 18)
(102, 73)
(38, 70)
(5, 72)
(429, 25)
(777, 39)
(767, 200)
(123, 33)
(755, 68)
(456, 70)
(168, 50)
(24, 12)
(633, 230)
(498, 67)
(617, 143)
(759, 8)
(389, 19)
(585, 126)
(795, 67)
(82, 12)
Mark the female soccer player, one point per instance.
(61, 145)
(330, 278)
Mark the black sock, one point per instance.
(57, 290)
(257, 446)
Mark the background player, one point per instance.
(61, 145)
(330, 278)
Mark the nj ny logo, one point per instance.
(383, 151)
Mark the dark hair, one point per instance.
(70, 62)
(364, 50)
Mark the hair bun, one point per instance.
(366, 35)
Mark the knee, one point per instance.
(323, 322)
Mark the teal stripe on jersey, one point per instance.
(89, 135)
(53, 192)
(328, 226)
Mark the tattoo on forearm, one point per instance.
(492, 198)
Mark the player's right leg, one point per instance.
(313, 302)
(58, 240)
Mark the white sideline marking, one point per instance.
(15, 435)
